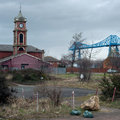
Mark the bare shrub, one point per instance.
(53, 93)
(55, 96)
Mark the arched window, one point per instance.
(21, 38)
(21, 49)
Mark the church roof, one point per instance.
(20, 17)
(9, 48)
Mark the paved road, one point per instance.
(66, 92)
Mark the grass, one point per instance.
(26, 109)
(93, 84)
(22, 109)
(67, 75)
(114, 104)
(78, 100)
(71, 80)
(110, 104)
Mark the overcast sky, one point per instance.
(52, 23)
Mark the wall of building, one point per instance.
(96, 70)
(30, 62)
(5, 54)
(99, 70)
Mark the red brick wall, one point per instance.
(54, 64)
(23, 59)
(99, 70)
(5, 54)
(72, 69)
(36, 54)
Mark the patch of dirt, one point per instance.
(103, 114)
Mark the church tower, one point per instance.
(20, 34)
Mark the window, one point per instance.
(21, 49)
(5, 67)
(21, 38)
(23, 66)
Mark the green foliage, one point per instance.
(116, 81)
(29, 75)
(5, 91)
(107, 86)
(114, 104)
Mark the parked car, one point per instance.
(111, 71)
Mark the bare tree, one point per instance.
(85, 64)
(77, 37)
(97, 63)
(67, 59)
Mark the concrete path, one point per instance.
(66, 92)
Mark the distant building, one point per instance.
(21, 61)
(20, 55)
(52, 61)
(112, 61)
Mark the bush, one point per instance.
(5, 91)
(29, 75)
(55, 96)
(107, 86)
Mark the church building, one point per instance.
(20, 55)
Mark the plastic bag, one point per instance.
(75, 112)
(87, 114)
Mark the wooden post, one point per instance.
(97, 91)
(73, 100)
(113, 94)
(37, 108)
(23, 93)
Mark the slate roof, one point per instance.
(9, 48)
(50, 59)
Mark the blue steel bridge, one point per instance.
(110, 41)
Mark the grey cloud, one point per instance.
(51, 23)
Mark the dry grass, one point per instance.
(74, 83)
(71, 80)
(26, 109)
(22, 109)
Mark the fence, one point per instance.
(55, 70)
(58, 70)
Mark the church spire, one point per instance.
(20, 7)
(20, 16)
(20, 33)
